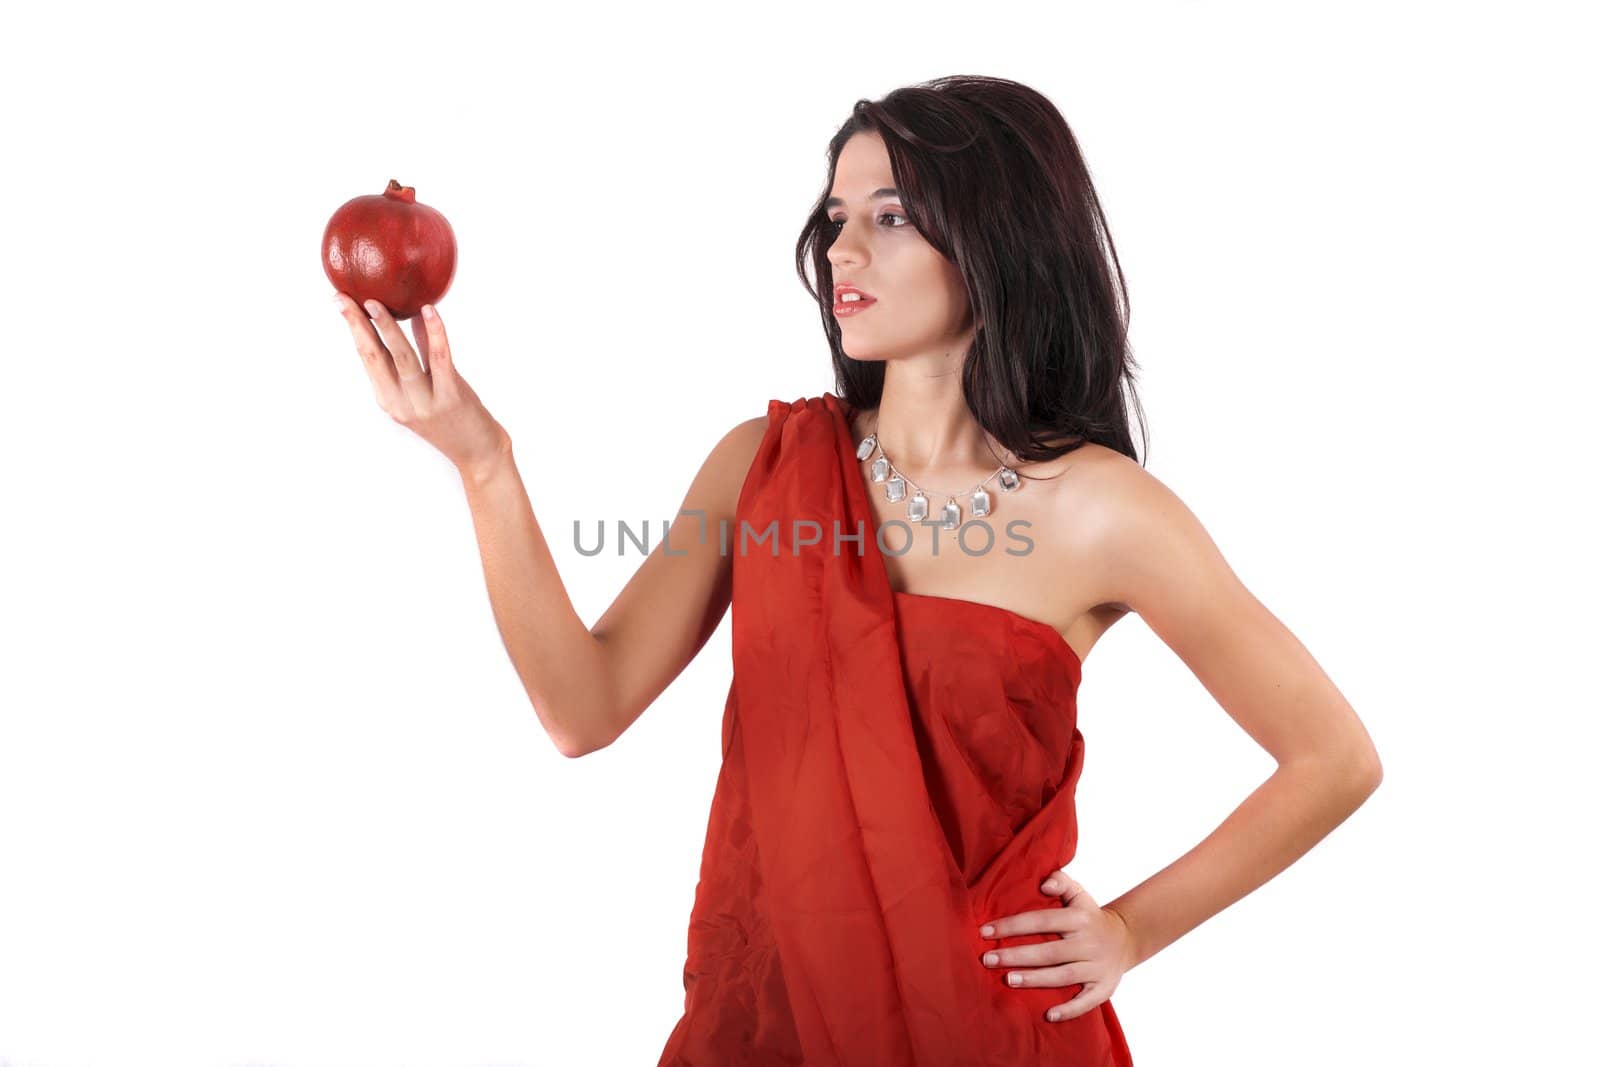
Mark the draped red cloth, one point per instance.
(898, 769)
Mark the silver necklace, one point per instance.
(883, 471)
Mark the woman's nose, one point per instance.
(844, 251)
(845, 247)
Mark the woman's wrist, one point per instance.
(483, 470)
(1135, 955)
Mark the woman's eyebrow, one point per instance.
(880, 194)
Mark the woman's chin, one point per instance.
(863, 355)
(861, 348)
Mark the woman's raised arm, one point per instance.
(587, 685)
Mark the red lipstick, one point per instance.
(843, 308)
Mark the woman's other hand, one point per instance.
(1095, 948)
(424, 393)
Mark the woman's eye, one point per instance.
(834, 224)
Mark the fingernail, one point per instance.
(372, 307)
(427, 311)
(1014, 978)
(1049, 887)
(338, 300)
(987, 931)
(1053, 1015)
(991, 958)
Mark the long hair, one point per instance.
(991, 176)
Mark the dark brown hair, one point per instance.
(991, 176)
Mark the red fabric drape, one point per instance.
(897, 770)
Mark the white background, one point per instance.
(270, 791)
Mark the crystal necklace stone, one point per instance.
(868, 443)
(980, 502)
(1009, 479)
(950, 517)
(896, 489)
(917, 510)
(880, 469)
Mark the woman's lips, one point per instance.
(845, 308)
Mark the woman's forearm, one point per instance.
(1275, 825)
(558, 659)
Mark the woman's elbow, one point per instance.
(1362, 771)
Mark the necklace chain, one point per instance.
(930, 489)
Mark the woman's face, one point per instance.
(920, 305)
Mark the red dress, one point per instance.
(897, 770)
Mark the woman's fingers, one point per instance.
(374, 357)
(1078, 972)
(1070, 890)
(421, 336)
(428, 328)
(1040, 954)
(1086, 951)
(407, 365)
(1089, 997)
(1050, 920)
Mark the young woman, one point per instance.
(918, 567)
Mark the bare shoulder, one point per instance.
(742, 438)
(1129, 524)
(738, 446)
(1086, 483)
(723, 474)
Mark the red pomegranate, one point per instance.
(391, 249)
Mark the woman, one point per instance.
(900, 746)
